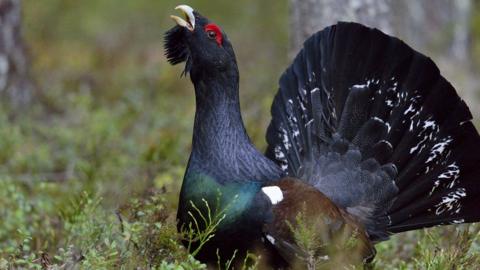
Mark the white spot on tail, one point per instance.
(410, 109)
(285, 139)
(438, 149)
(387, 142)
(378, 119)
(280, 156)
(270, 239)
(360, 85)
(458, 221)
(429, 123)
(448, 178)
(452, 174)
(389, 127)
(451, 202)
(279, 153)
(274, 193)
(309, 122)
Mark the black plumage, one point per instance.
(403, 122)
(365, 133)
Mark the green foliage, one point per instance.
(308, 238)
(456, 255)
(201, 231)
(250, 262)
(319, 245)
(452, 247)
(82, 234)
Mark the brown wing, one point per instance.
(308, 228)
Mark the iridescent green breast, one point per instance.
(202, 195)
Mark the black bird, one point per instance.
(367, 139)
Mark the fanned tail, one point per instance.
(373, 125)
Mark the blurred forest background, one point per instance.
(95, 126)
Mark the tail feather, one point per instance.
(373, 125)
(355, 113)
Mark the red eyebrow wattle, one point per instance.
(216, 29)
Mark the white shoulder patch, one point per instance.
(274, 193)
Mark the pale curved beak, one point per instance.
(189, 21)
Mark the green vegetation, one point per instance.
(89, 176)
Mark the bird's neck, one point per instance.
(221, 146)
(218, 126)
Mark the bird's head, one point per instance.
(199, 42)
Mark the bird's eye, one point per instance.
(212, 34)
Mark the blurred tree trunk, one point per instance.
(16, 87)
(438, 26)
(442, 29)
(460, 46)
(423, 24)
(310, 16)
